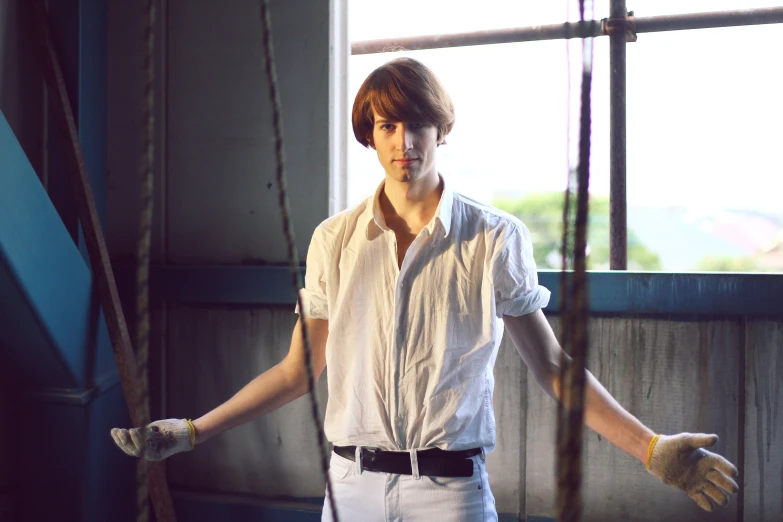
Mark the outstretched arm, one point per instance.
(272, 389)
(677, 460)
(536, 343)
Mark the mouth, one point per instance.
(405, 162)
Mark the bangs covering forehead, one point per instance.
(403, 90)
(396, 101)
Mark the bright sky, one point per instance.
(704, 107)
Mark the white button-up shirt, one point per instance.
(411, 349)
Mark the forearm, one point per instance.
(266, 393)
(606, 417)
(273, 389)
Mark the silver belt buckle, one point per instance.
(360, 451)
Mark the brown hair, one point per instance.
(405, 90)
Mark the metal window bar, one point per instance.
(620, 27)
(592, 28)
(618, 203)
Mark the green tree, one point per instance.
(542, 212)
(729, 264)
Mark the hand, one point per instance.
(159, 440)
(681, 461)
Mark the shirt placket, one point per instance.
(399, 348)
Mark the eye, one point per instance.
(386, 126)
(418, 125)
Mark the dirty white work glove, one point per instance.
(681, 461)
(160, 440)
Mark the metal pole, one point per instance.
(618, 223)
(652, 24)
(592, 28)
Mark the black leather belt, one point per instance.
(432, 462)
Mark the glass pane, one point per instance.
(705, 182)
(509, 143)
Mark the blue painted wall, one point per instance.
(71, 469)
(55, 347)
(45, 286)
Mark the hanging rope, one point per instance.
(288, 229)
(573, 298)
(103, 275)
(143, 253)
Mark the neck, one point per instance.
(412, 203)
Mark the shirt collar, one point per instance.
(442, 214)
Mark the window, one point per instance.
(704, 176)
(702, 183)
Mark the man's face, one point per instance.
(405, 149)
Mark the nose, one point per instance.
(404, 138)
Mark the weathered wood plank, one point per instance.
(763, 480)
(674, 376)
(506, 465)
(212, 353)
(235, 345)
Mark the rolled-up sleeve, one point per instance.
(313, 295)
(514, 276)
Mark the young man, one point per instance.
(407, 297)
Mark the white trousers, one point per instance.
(388, 497)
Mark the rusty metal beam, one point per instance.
(593, 28)
(496, 36)
(98, 254)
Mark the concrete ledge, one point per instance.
(610, 292)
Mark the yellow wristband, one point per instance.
(191, 433)
(650, 449)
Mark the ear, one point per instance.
(368, 138)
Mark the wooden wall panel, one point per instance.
(213, 353)
(763, 480)
(674, 376)
(506, 465)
